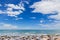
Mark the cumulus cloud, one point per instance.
(7, 26)
(44, 7)
(19, 8)
(48, 7)
(52, 0)
(13, 13)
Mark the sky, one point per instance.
(30, 14)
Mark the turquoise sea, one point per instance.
(19, 32)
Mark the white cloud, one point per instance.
(47, 7)
(52, 0)
(15, 6)
(19, 18)
(0, 5)
(44, 7)
(41, 21)
(33, 17)
(9, 9)
(13, 13)
(1, 12)
(57, 17)
(55, 25)
(26, 2)
(7, 26)
(10, 12)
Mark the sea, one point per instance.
(27, 32)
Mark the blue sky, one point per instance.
(29, 14)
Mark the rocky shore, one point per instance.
(31, 37)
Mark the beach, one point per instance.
(31, 37)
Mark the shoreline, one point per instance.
(30, 37)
